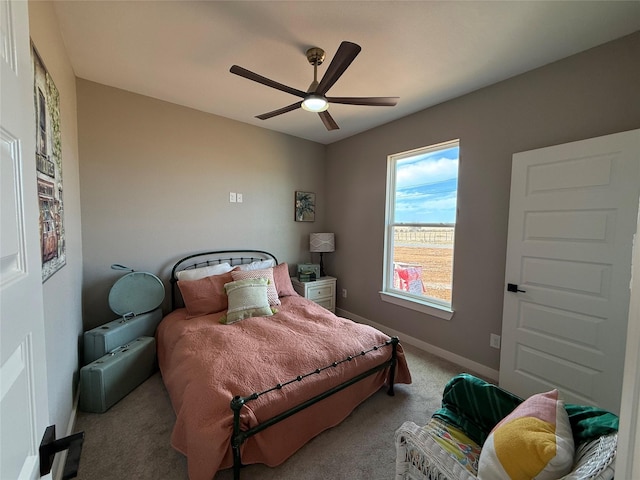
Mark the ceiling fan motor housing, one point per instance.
(315, 55)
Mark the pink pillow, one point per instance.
(283, 281)
(206, 295)
(267, 273)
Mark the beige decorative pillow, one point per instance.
(247, 298)
(267, 273)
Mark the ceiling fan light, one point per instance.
(315, 103)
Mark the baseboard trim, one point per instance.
(62, 458)
(489, 373)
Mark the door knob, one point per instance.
(49, 446)
(512, 287)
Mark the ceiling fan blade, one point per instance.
(373, 101)
(243, 72)
(347, 52)
(328, 121)
(280, 111)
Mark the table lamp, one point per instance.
(322, 243)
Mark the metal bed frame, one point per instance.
(206, 259)
(239, 436)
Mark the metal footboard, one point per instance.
(240, 436)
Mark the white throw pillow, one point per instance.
(198, 273)
(257, 265)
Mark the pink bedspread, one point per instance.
(204, 364)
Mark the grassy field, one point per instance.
(437, 264)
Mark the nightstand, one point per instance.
(322, 291)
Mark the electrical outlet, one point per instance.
(494, 341)
(344, 293)
(232, 197)
(239, 197)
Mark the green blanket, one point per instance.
(475, 407)
(588, 423)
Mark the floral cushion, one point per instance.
(456, 443)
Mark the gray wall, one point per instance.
(590, 94)
(156, 178)
(62, 299)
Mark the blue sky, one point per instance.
(426, 187)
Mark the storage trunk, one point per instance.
(102, 340)
(108, 379)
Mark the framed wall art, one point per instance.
(305, 207)
(49, 169)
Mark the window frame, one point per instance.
(428, 305)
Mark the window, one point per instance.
(422, 187)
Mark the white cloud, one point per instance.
(426, 172)
(426, 203)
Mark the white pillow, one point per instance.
(258, 265)
(198, 273)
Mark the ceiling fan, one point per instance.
(315, 99)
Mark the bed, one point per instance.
(255, 387)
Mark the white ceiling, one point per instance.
(424, 52)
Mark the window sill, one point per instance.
(432, 309)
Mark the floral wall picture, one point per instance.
(305, 207)
(49, 169)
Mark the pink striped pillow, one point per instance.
(272, 292)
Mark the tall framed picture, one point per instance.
(305, 207)
(48, 169)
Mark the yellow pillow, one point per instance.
(532, 442)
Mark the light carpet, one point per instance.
(132, 439)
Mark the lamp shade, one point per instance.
(322, 242)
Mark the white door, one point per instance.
(572, 218)
(628, 456)
(24, 411)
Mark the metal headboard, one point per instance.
(204, 259)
